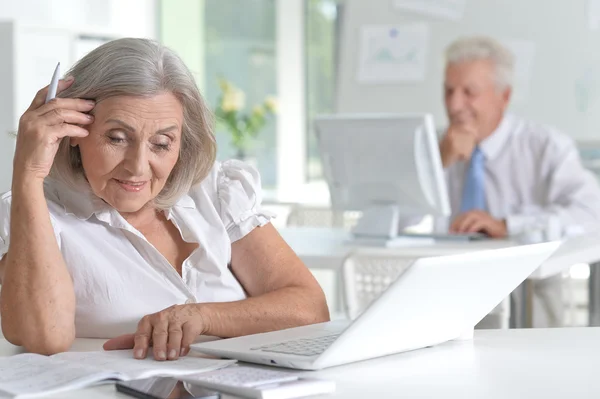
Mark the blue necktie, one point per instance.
(474, 190)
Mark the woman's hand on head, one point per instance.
(43, 126)
(169, 333)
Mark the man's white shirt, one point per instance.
(534, 179)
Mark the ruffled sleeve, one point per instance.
(240, 196)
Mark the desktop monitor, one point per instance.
(387, 166)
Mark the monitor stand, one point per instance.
(378, 221)
(379, 226)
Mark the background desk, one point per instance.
(497, 364)
(326, 248)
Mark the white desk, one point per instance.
(497, 364)
(325, 248)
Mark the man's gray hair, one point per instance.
(484, 48)
(144, 68)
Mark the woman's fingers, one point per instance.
(59, 116)
(174, 341)
(71, 131)
(190, 333)
(42, 127)
(118, 343)
(75, 104)
(40, 97)
(64, 84)
(160, 334)
(169, 332)
(142, 338)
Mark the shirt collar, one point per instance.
(80, 202)
(492, 145)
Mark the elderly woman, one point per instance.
(122, 225)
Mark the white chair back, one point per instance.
(366, 274)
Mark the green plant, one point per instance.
(242, 126)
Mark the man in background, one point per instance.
(508, 176)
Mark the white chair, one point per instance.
(366, 273)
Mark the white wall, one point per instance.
(291, 84)
(567, 59)
(188, 43)
(124, 17)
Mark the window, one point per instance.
(237, 43)
(240, 47)
(322, 32)
(240, 40)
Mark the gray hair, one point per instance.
(142, 67)
(484, 48)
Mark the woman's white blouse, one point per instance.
(119, 277)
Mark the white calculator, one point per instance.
(259, 383)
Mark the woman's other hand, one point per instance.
(43, 126)
(169, 332)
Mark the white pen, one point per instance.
(53, 84)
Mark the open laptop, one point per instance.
(435, 300)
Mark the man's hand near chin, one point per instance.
(479, 222)
(458, 143)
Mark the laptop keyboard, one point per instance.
(302, 347)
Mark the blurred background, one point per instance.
(282, 62)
